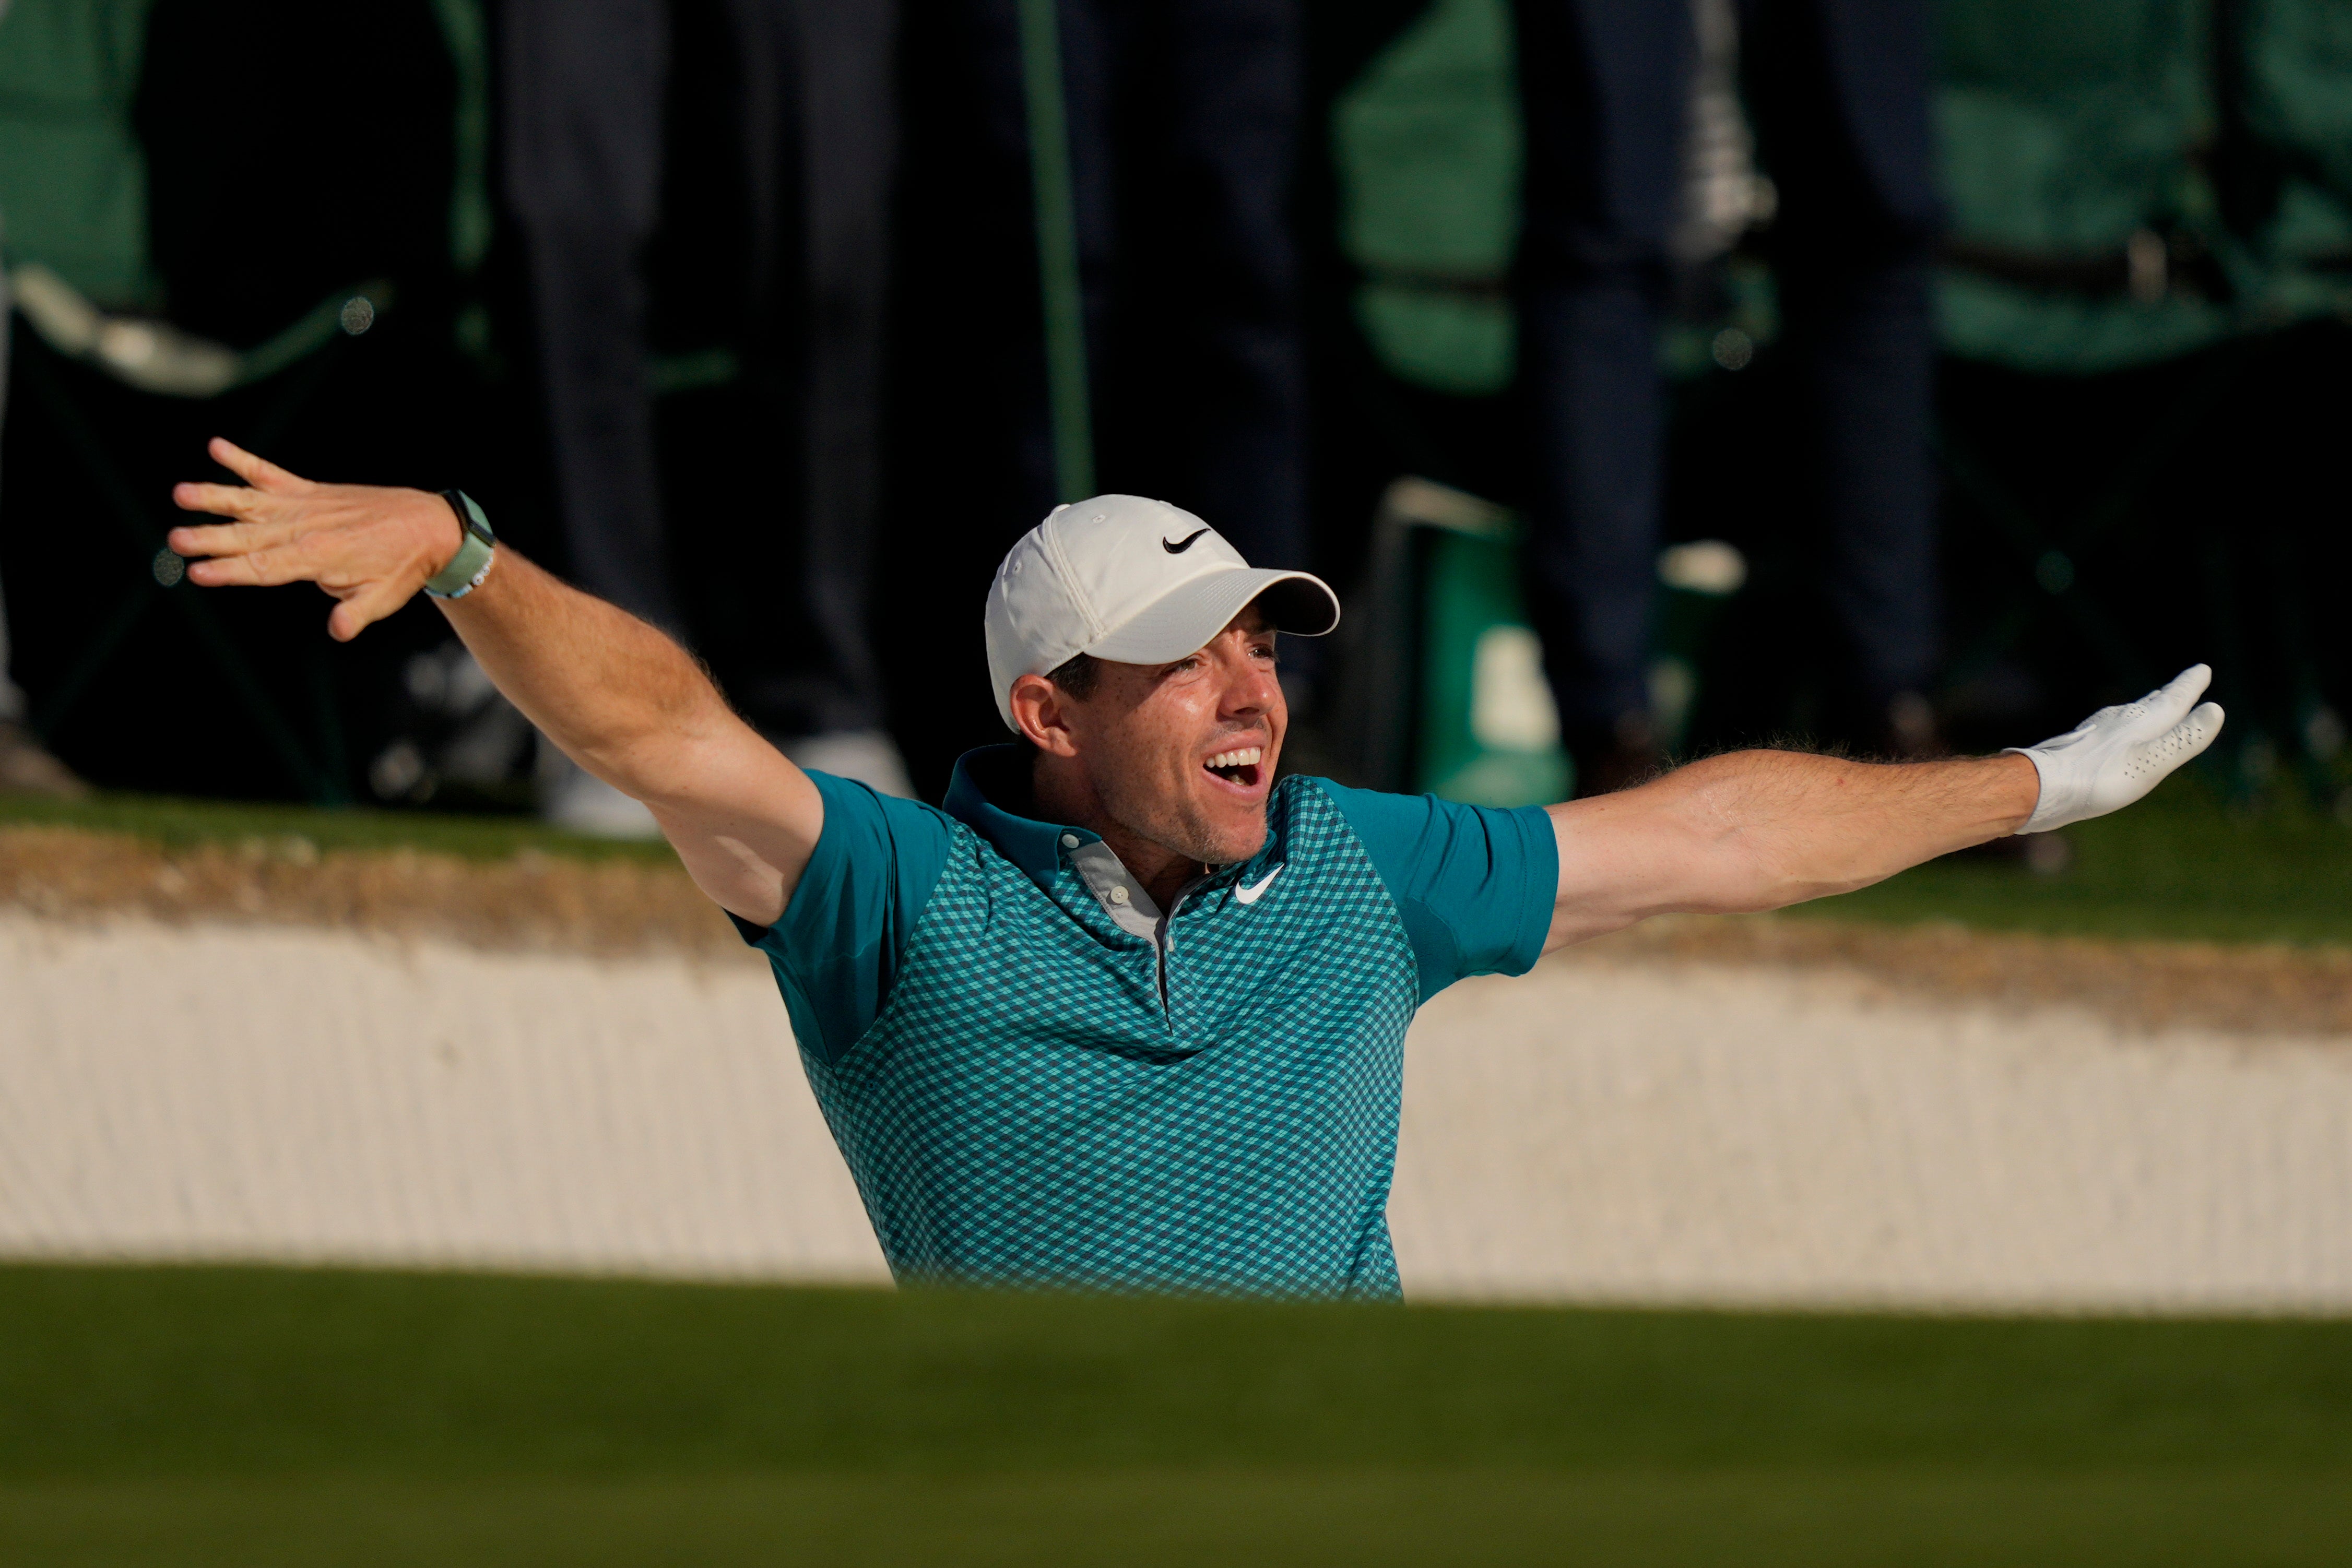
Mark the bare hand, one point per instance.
(369, 545)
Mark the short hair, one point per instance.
(1077, 675)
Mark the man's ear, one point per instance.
(1041, 709)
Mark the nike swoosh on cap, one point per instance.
(1250, 894)
(1178, 547)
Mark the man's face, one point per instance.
(1182, 755)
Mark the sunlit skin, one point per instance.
(1745, 831)
(388, 541)
(1131, 760)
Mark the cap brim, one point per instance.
(1185, 619)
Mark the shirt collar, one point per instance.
(994, 773)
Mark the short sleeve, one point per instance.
(1473, 885)
(837, 947)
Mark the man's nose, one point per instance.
(1251, 687)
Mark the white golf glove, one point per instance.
(2119, 754)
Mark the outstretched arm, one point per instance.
(1761, 829)
(623, 700)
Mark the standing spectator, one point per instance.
(1183, 119)
(1183, 126)
(25, 765)
(1839, 92)
(584, 87)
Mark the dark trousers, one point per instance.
(12, 698)
(585, 84)
(1838, 89)
(1184, 120)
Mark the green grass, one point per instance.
(179, 823)
(2180, 865)
(1293, 1517)
(261, 1417)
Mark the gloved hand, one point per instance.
(2119, 754)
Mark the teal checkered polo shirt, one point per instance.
(1040, 1078)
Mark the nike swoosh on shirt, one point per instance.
(1178, 547)
(1249, 895)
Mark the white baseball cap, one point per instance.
(1137, 581)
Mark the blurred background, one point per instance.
(400, 1161)
(1649, 379)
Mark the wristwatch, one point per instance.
(477, 550)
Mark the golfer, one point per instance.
(1129, 1011)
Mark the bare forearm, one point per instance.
(1789, 826)
(1758, 830)
(1761, 829)
(630, 706)
(621, 699)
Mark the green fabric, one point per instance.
(1487, 733)
(1427, 148)
(2298, 99)
(73, 182)
(467, 36)
(73, 179)
(2067, 125)
(2299, 92)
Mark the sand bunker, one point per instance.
(1638, 1123)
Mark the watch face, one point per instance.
(477, 524)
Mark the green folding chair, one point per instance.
(1445, 687)
(72, 198)
(1446, 690)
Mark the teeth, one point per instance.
(1246, 756)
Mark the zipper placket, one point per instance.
(1167, 939)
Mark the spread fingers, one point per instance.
(258, 472)
(253, 569)
(220, 500)
(231, 539)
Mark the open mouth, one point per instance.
(1239, 766)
